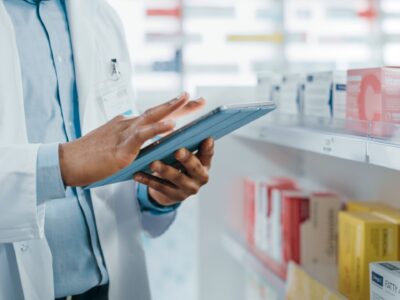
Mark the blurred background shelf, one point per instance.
(242, 255)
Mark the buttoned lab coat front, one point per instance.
(25, 258)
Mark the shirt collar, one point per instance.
(33, 1)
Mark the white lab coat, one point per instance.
(25, 258)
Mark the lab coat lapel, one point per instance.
(13, 131)
(12, 114)
(82, 28)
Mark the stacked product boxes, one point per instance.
(360, 96)
(284, 224)
(367, 233)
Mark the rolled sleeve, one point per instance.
(49, 181)
(149, 205)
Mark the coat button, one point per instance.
(24, 247)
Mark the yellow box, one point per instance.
(394, 217)
(301, 285)
(363, 238)
(358, 206)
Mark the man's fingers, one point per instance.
(189, 108)
(162, 186)
(137, 136)
(179, 179)
(162, 111)
(192, 165)
(206, 152)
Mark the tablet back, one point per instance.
(216, 124)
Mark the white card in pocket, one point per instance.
(116, 102)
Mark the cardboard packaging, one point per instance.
(275, 235)
(310, 227)
(268, 85)
(301, 285)
(325, 95)
(339, 95)
(385, 281)
(358, 206)
(363, 238)
(373, 95)
(291, 94)
(250, 191)
(269, 209)
(392, 216)
(258, 205)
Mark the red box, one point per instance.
(273, 216)
(310, 226)
(296, 210)
(373, 95)
(250, 189)
(258, 206)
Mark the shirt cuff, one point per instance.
(149, 205)
(49, 182)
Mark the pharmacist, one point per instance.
(64, 73)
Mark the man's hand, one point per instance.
(171, 185)
(190, 108)
(115, 145)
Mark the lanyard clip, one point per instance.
(115, 73)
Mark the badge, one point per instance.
(117, 102)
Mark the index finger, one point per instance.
(162, 111)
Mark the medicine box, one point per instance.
(392, 216)
(339, 94)
(305, 285)
(373, 95)
(268, 86)
(385, 281)
(250, 193)
(258, 207)
(325, 94)
(310, 227)
(358, 206)
(291, 94)
(269, 209)
(274, 220)
(363, 238)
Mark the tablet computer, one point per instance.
(216, 124)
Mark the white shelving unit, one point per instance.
(358, 161)
(335, 145)
(242, 255)
(339, 145)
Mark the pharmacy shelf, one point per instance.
(384, 155)
(244, 256)
(336, 145)
(363, 149)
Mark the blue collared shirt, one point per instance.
(52, 117)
